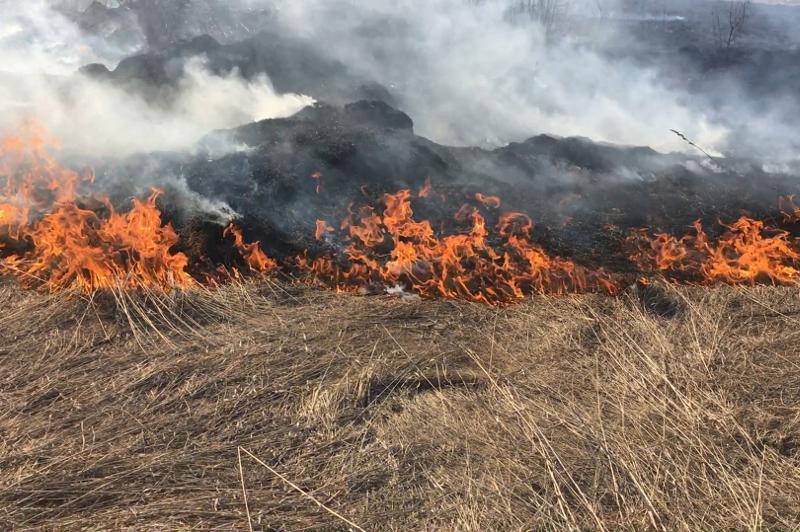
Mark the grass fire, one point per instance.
(57, 239)
(446, 265)
(73, 246)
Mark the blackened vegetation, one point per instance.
(585, 197)
(657, 300)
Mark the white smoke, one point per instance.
(40, 51)
(464, 71)
(35, 38)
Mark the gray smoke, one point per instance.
(469, 72)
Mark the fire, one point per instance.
(317, 176)
(57, 239)
(489, 201)
(477, 264)
(322, 229)
(747, 252)
(68, 246)
(425, 191)
(74, 248)
(34, 181)
(252, 254)
(55, 236)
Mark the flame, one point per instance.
(393, 248)
(60, 240)
(252, 254)
(489, 201)
(322, 229)
(747, 252)
(317, 176)
(425, 191)
(55, 236)
(34, 181)
(72, 247)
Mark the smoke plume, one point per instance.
(469, 72)
(41, 51)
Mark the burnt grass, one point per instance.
(278, 407)
(584, 197)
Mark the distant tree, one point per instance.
(729, 19)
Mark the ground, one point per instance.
(271, 407)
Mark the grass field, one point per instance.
(277, 408)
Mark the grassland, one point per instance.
(276, 408)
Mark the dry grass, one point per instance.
(562, 413)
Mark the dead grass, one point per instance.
(333, 412)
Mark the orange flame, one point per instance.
(395, 249)
(322, 229)
(317, 176)
(489, 201)
(54, 238)
(72, 247)
(747, 252)
(425, 191)
(255, 258)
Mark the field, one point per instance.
(269, 407)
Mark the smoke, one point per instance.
(96, 118)
(467, 71)
(40, 52)
(470, 74)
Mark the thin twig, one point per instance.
(244, 490)
(692, 144)
(303, 492)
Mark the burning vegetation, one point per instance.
(747, 252)
(395, 249)
(58, 235)
(57, 240)
(583, 333)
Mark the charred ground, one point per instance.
(584, 197)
